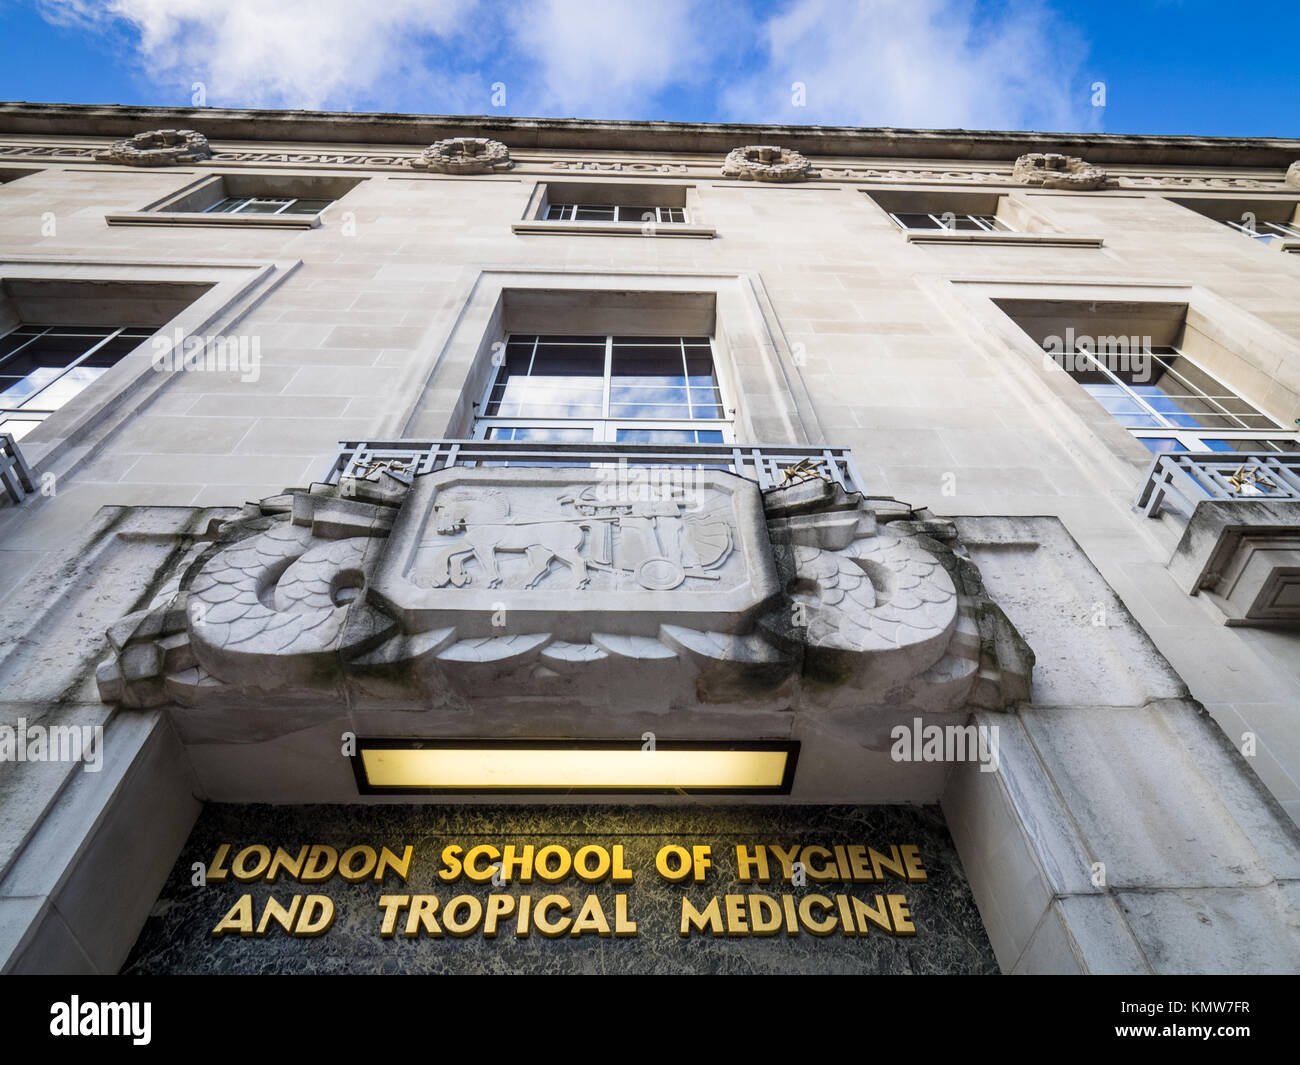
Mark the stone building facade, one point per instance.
(429, 431)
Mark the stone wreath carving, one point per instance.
(762, 162)
(1052, 171)
(464, 155)
(1293, 175)
(158, 147)
(502, 583)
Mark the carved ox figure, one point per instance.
(484, 519)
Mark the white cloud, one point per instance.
(927, 63)
(291, 53)
(609, 59)
(916, 63)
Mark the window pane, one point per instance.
(562, 360)
(307, 206)
(112, 352)
(699, 370)
(664, 411)
(1159, 444)
(573, 338)
(637, 214)
(15, 340)
(668, 394)
(917, 221)
(530, 397)
(648, 366)
(543, 433)
(63, 389)
(594, 213)
(13, 390)
(225, 206)
(705, 403)
(263, 205)
(1121, 406)
(658, 436)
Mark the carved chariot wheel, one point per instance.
(659, 574)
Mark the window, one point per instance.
(601, 212)
(986, 223)
(244, 199)
(1265, 232)
(1171, 404)
(267, 205)
(1274, 221)
(613, 389)
(43, 367)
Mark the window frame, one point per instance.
(23, 413)
(605, 428)
(1190, 439)
(289, 201)
(1292, 230)
(568, 213)
(982, 221)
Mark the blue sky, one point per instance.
(1163, 66)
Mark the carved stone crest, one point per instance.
(491, 583)
(464, 155)
(1050, 170)
(765, 162)
(158, 147)
(1293, 175)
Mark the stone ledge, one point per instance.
(1042, 240)
(1243, 556)
(199, 218)
(614, 229)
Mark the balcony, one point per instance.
(1240, 549)
(14, 472)
(1184, 479)
(769, 465)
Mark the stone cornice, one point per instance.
(555, 164)
(418, 131)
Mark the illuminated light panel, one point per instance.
(430, 767)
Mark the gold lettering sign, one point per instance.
(819, 911)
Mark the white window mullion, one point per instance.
(609, 373)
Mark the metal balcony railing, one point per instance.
(766, 464)
(15, 474)
(1183, 479)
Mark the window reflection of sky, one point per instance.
(596, 378)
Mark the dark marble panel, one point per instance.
(176, 938)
